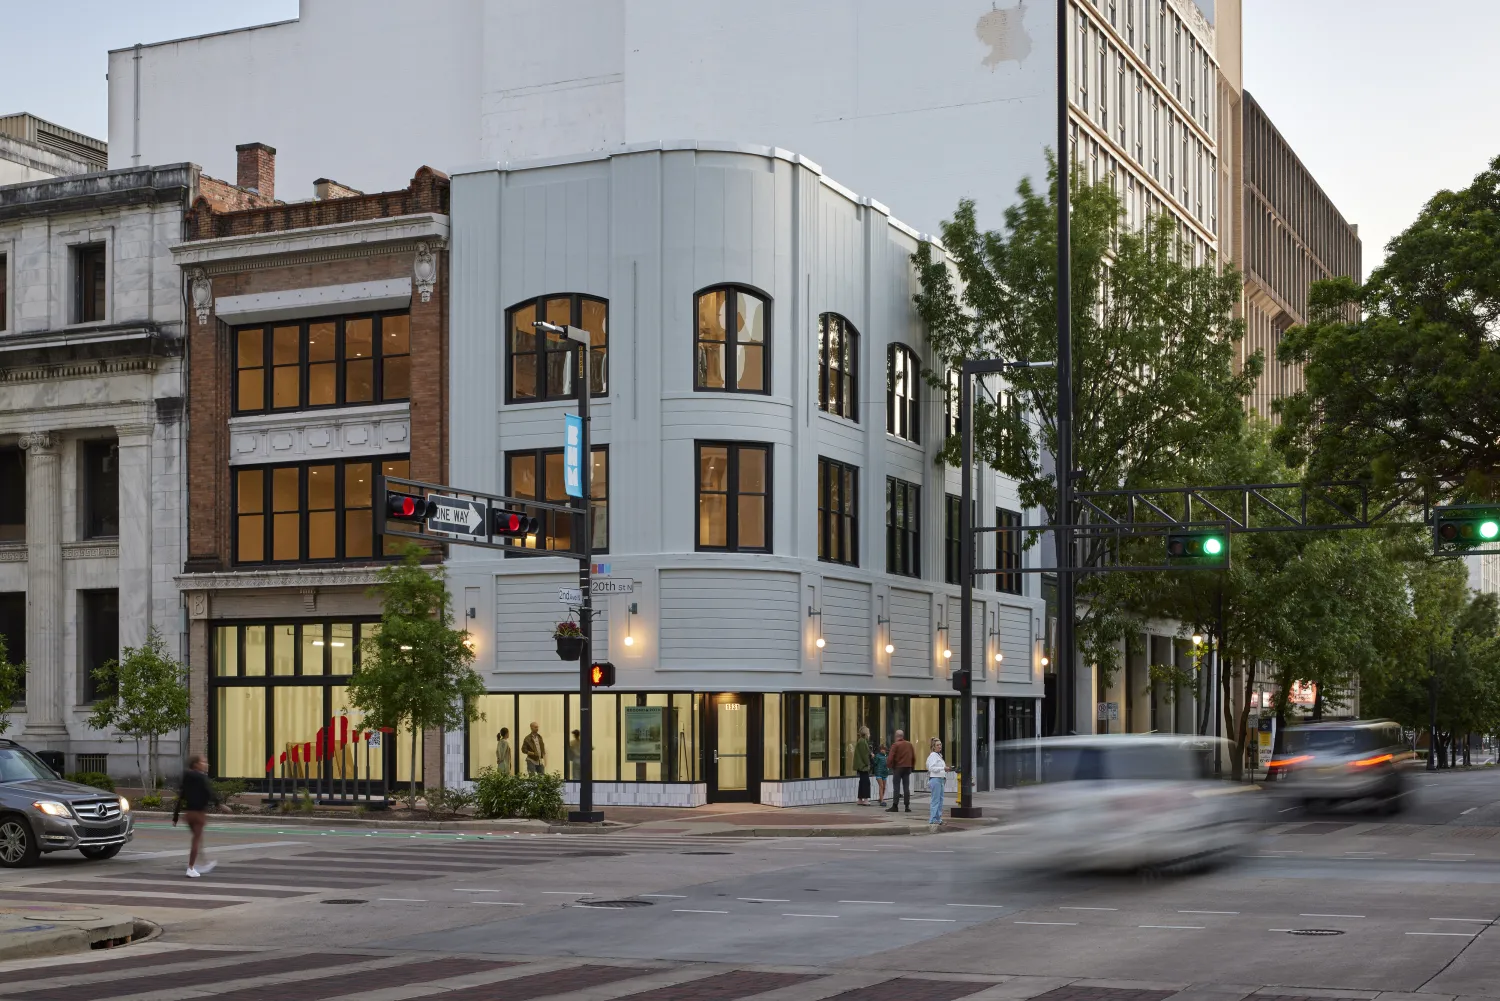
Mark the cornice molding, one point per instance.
(296, 579)
(12, 552)
(340, 241)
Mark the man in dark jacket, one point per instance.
(192, 803)
(903, 758)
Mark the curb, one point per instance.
(235, 819)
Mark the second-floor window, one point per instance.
(544, 366)
(538, 475)
(903, 518)
(838, 356)
(341, 361)
(734, 497)
(731, 327)
(12, 495)
(952, 545)
(902, 375)
(1008, 551)
(101, 489)
(89, 283)
(310, 511)
(838, 512)
(951, 403)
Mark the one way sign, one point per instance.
(459, 517)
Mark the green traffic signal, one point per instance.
(1206, 548)
(1464, 527)
(1213, 546)
(1489, 529)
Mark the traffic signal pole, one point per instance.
(585, 814)
(1067, 659)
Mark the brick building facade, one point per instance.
(317, 360)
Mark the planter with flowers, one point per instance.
(569, 639)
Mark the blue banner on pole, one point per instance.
(572, 455)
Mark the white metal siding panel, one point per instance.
(955, 634)
(1015, 643)
(846, 627)
(741, 619)
(911, 633)
(526, 609)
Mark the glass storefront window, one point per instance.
(240, 734)
(341, 648)
(255, 651)
(357, 760)
(297, 711)
(771, 738)
(606, 737)
(793, 719)
(284, 650)
(403, 741)
(313, 648)
(850, 727)
(817, 737)
(226, 652)
(499, 713)
(926, 723)
(367, 633)
(686, 708)
(546, 711)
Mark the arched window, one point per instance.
(903, 373)
(732, 325)
(838, 358)
(543, 366)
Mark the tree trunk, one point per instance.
(140, 768)
(413, 798)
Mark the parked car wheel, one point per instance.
(18, 845)
(101, 853)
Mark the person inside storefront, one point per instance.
(503, 755)
(535, 751)
(575, 754)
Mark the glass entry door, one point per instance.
(733, 765)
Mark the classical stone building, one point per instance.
(317, 347)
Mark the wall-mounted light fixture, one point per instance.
(631, 612)
(883, 620)
(473, 613)
(947, 653)
(812, 612)
(995, 641)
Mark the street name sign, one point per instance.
(460, 517)
(598, 586)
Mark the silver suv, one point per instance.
(39, 812)
(1343, 762)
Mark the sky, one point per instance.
(1386, 101)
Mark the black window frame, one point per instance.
(90, 282)
(98, 641)
(903, 421)
(380, 551)
(1008, 552)
(97, 496)
(903, 537)
(575, 312)
(952, 540)
(838, 377)
(731, 340)
(378, 357)
(548, 519)
(732, 494)
(13, 632)
(13, 493)
(4, 289)
(838, 524)
(952, 397)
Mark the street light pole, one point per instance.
(1067, 665)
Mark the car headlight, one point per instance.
(52, 808)
(124, 805)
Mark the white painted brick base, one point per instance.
(809, 792)
(679, 794)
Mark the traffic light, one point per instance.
(1205, 547)
(602, 675)
(512, 523)
(407, 507)
(963, 681)
(1465, 526)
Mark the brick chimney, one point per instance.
(256, 169)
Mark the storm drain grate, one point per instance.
(1315, 931)
(614, 904)
(343, 900)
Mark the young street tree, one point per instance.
(1403, 372)
(146, 698)
(415, 674)
(12, 685)
(1156, 395)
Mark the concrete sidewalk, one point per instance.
(29, 930)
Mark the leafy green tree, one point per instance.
(1156, 394)
(1402, 373)
(12, 685)
(147, 697)
(416, 674)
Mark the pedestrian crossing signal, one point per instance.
(602, 675)
(1463, 527)
(963, 681)
(407, 507)
(1207, 548)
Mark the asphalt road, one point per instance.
(1399, 904)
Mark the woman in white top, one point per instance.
(937, 774)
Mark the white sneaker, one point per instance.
(192, 873)
(206, 868)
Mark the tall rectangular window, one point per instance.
(952, 548)
(99, 640)
(310, 512)
(4, 287)
(838, 356)
(13, 629)
(101, 489)
(734, 497)
(331, 362)
(731, 330)
(1008, 551)
(952, 403)
(89, 284)
(903, 519)
(538, 475)
(903, 372)
(838, 512)
(12, 495)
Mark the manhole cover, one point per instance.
(705, 853)
(614, 904)
(344, 900)
(1315, 931)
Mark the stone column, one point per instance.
(45, 616)
(134, 563)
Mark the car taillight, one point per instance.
(1288, 762)
(1378, 759)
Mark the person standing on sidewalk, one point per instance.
(937, 777)
(881, 771)
(193, 798)
(902, 759)
(862, 765)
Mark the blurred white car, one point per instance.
(1126, 801)
(1338, 763)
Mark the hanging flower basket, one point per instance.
(569, 640)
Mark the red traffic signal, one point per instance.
(406, 507)
(512, 523)
(602, 675)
